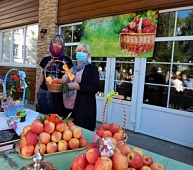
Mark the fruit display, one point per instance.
(112, 130)
(55, 134)
(124, 157)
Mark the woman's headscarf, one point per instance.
(61, 52)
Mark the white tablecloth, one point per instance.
(31, 115)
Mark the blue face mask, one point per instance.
(81, 56)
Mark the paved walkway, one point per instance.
(161, 147)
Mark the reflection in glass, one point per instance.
(6, 46)
(183, 52)
(18, 45)
(101, 65)
(166, 24)
(31, 44)
(76, 33)
(162, 52)
(184, 23)
(70, 52)
(123, 80)
(72, 33)
(67, 34)
(154, 85)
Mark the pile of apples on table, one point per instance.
(124, 157)
(55, 135)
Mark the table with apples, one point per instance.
(63, 161)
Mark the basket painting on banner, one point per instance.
(127, 35)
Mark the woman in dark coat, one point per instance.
(80, 98)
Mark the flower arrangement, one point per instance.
(14, 87)
(21, 114)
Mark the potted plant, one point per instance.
(22, 115)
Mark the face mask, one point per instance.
(56, 49)
(81, 56)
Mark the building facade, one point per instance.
(168, 116)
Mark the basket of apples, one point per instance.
(138, 37)
(55, 85)
(113, 130)
(57, 135)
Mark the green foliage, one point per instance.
(64, 87)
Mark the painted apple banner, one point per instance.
(127, 35)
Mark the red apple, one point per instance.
(99, 131)
(105, 126)
(92, 155)
(93, 145)
(117, 136)
(147, 160)
(135, 159)
(103, 163)
(132, 25)
(56, 136)
(130, 169)
(49, 127)
(146, 22)
(44, 137)
(157, 166)
(67, 135)
(122, 132)
(139, 150)
(27, 150)
(77, 132)
(120, 161)
(146, 30)
(73, 143)
(114, 127)
(62, 145)
(83, 142)
(61, 126)
(22, 142)
(80, 162)
(51, 147)
(106, 134)
(31, 138)
(125, 30)
(153, 28)
(26, 128)
(144, 167)
(116, 150)
(136, 20)
(42, 148)
(114, 141)
(90, 167)
(125, 148)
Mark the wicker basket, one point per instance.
(96, 137)
(10, 108)
(54, 88)
(132, 41)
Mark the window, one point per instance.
(19, 46)
(173, 60)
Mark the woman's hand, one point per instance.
(73, 86)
